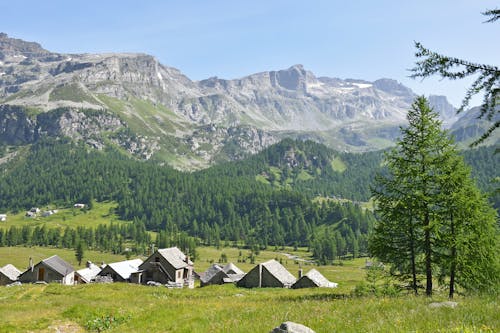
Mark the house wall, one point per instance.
(49, 275)
(251, 280)
(152, 271)
(269, 281)
(4, 280)
(304, 282)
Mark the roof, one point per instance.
(318, 279)
(10, 271)
(58, 265)
(88, 273)
(210, 273)
(232, 269)
(126, 268)
(279, 272)
(175, 257)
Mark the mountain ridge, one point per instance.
(178, 116)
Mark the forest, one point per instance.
(287, 195)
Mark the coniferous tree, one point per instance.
(425, 187)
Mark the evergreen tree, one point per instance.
(79, 252)
(416, 201)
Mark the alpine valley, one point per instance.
(151, 111)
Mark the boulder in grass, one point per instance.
(291, 327)
(447, 304)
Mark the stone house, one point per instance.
(168, 266)
(8, 274)
(3, 217)
(122, 271)
(313, 279)
(53, 269)
(87, 274)
(268, 274)
(216, 274)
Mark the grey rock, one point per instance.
(446, 304)
(291, 327)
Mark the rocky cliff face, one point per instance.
(155, 101)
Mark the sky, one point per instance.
(230, 39)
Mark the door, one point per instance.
(41, 274)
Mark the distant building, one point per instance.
(79, 205)
(8, 274)
(87, 274)
(123, 271)
(268, 274)
(168, 266)
(313, 279)
(3, 217)
(53, 269)
(216, 274)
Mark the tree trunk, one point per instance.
(453, 259)
(412, 257)
(428, 252)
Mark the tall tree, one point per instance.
(79, 251)
(428, 206)
(487, 77)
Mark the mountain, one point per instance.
(155, 112)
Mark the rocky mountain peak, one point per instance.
(293, 78)
(18, 47)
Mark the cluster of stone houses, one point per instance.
(169, 267)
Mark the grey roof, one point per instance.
(126, 268)
(10, 271)
(58, 265)
(318, 279)
(210, 273)
(233, 278)
(175, 257)
(279, 272)
(89, 273)
(231, 268)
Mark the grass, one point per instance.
(338, 165)
(102, 213)
(124, 307)
(134, 308)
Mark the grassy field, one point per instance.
(102, 213)
(133, 308)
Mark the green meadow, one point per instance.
(133, 308)
(124, 307)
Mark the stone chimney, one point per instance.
(89, 263)
(31, 264)
(301, 272)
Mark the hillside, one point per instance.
(153, 111)
(267, 200)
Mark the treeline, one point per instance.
(115, 238)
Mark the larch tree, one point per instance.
(431, 215)
(487, 78)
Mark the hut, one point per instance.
(122, 271)
(87, 274)
(52, 269)
(313, 279)
(268, 274)
(168, 266)
(8, 274)
(216, 274)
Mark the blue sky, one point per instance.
(230, 39)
